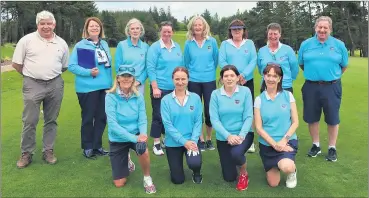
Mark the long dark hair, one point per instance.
(278, 70)
(226, 68)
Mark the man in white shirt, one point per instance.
(41, 57)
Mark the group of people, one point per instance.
(183, 88)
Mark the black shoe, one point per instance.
(89, 154)
(332, 155)
(314, 151)
(101, 152)
(209, 145)
(201, 145)
(197, 178)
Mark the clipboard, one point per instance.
(86, 58)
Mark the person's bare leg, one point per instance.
(120, 182)
(144, 161)
(273, 177)
(314, 131)
(332, 134)
(208, 132)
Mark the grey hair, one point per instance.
(132, 21)
(324, 18)
(44, 15)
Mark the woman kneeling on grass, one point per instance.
(231, 117)
(181, 112)
(127, 128)
(276, 121)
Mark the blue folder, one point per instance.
(86, 58)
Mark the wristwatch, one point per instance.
(287, 137)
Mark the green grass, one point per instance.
(75, 176)
(7, 51)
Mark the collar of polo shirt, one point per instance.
(53, 40)
(174, 94)
(326, 42)
(162, 44)
(268, 97)
(230, 41)
(223, 92)
(139, 42)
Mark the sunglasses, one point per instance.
(130, 69)
(164, 23)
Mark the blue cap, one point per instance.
(126, 69)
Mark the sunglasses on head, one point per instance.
(130, 69)
(164, 23)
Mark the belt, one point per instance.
(43, 81)
(321, 82)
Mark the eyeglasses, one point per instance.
(130, 69)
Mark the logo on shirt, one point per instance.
(142, 55)
(332, 48)
(246, 51)
(209, 47)
(178, 54)
(237, 101)
(283, 58)
(192, 108)
(283, 106)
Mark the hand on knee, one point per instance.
(120, 182)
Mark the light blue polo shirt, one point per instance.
(134, 55)
(125, 117)
(181, 123)
(275, 114)
(231, 115)
(201, 61)
(285, 57)
(243, 57)
(161, 62)
(323, 61)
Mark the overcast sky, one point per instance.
(181, 9)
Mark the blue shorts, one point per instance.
(271, 157)
(317, 96)
(119, 158)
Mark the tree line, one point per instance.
(350, 21)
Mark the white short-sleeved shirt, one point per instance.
(41, 59)
(257, 102)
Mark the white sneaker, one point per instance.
(291, 181)
(131, 165)
(157, 149)
(149, 185)
(252, 148)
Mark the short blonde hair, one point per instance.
(116, 85)
(132, 21)
(205, 32)
(44, 15)
(324, 18)
(85, 27)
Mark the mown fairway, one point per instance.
(76, 176)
